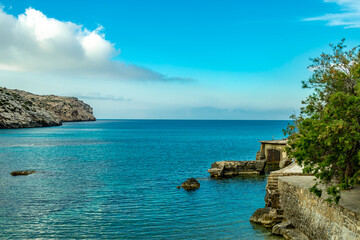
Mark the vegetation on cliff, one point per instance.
(325, 137)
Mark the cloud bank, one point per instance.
(349, 17)
(32, 42)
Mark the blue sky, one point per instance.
(172, 59)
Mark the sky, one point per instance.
(180, 59)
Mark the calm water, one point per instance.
(117, 179)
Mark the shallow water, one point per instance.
(118, 178)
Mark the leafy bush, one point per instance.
(325, 137)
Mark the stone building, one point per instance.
(273, 151)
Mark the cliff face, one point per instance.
(68, 109)
(20, 109)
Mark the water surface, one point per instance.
(117, 179)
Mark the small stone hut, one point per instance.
(273, 151)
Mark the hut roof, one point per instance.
(278, 142)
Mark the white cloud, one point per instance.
(349, 17)
(32, 42)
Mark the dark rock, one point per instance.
(18, 173)
(190, 184)
(268, 217)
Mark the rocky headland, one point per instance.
(20, 109)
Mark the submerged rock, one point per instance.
(268, 217)
(190, 184)
(18, 173)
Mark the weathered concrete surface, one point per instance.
(233, 168)
(314, 216)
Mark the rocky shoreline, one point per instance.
(291, 210)
(272, 216)
(20, 109)
(234, 168)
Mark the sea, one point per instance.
(117, 179)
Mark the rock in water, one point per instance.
(268, 217)
(235, 168)
(18, 173)
(190, 184)
(288, 231)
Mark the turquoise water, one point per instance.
(117, 179)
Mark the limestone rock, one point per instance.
(233, 168)
(190, 184)
(18, 173)
(268, 217)
(68, 109)
(272, 198)
(288, 231)
(19, 109)
(284, 163)
(257, 158)
(17, 112)
(278, 228)
(293, 234)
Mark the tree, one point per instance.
(325, 137)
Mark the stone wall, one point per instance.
(272, 189)
(314, 216)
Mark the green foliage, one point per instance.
(325, 137)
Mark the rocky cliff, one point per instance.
(20, 109)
